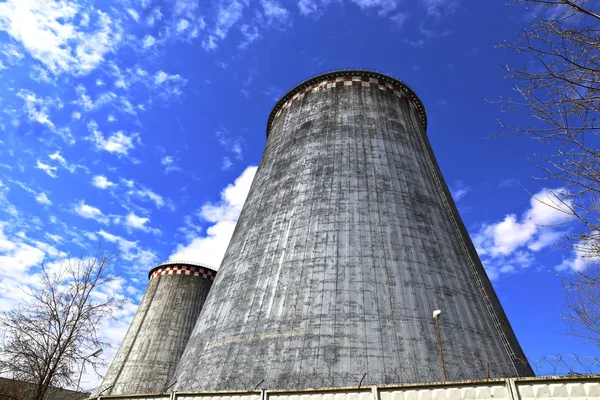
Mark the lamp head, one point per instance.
(96, 353)
(436, 313)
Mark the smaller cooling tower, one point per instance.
(160, 329)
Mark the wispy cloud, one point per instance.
(50, 170)
(100, 181)
(52, 32)
(275, 14)
(86, 211)
(37, 109)
(42, 198)
(118, 142)
(169, 164)
(231, 144)
(438, 8)
(459, 190)
(313, 8)
(227, 15)
(130, 250)
(250, 34)
(56, 156)
(139, 223)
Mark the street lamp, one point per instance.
(94, 354)
(436, 315)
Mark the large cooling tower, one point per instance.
(160, 329)
(348, 241)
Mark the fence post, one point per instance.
(511, 389)
(375, 392)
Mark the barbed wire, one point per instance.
(558, 365)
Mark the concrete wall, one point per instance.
(348, 241)
(550, 388)
(160, 329)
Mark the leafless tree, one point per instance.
(558, 89)
(47, 338)
(581, 311)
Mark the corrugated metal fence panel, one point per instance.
(218, 396)
(546, 390)
(549, 388)
(333, 395)
(496, 391)
(135, 397)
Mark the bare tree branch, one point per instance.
(50, 336)
(558, 90)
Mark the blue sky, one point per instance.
(139, 123)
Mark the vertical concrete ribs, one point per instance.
(347, 242)
(160, 329)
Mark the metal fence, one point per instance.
(559, 365)
(583, 387)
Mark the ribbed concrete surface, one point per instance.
(347, 242)
(160, 329)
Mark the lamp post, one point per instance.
(436, 316)
(94, 354)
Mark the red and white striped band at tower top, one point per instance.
(361, 81)
(184, 270)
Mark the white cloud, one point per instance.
(384, 6)
(229, 13)
(169, 164)
(168, 84)
(118, 142)
(182, 25)
(153, 16)
(136, 222)
(148, 41)
(18, 263)
(41, 75)
(250, 34)
(231, 144)
(130, 250)
(511, 241)
(399, 18)
(275, 13)
(459, 190)
(42, 198)
(227, 164)
(210, 248)
(12, 53)
(134, 14)
(313, 8)
(140, 223)
(101, 182)
(435, 8)
(50, 170)
(148, 195)
(533, 229)
(61, 160)
(88, 104)
(86, 211)
(54, 238)
(37, 108)
(48, 31)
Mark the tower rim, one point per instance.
(346, 73)
(179, 262)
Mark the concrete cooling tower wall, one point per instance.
(348, 241)
(160, 329)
